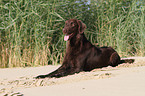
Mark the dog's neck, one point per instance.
(76, 42)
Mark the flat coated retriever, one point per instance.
(81, 55)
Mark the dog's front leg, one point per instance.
(57, 73)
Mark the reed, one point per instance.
(31, 30)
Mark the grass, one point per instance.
(31, 30)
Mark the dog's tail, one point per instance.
(127, 61)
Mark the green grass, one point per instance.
(31, 30)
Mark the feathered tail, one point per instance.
(127, 61)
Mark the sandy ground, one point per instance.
(123, 80)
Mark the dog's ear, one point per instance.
(81, 26)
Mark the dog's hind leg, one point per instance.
(114, 59)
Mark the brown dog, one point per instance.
(81, 55)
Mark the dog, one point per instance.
(81, 55)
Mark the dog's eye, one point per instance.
(72, 24)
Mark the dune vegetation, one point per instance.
(31, 30)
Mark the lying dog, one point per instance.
(81, 55)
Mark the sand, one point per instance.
(123, 80)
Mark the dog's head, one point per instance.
(72, 28)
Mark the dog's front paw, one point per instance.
(40, 77)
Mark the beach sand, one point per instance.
(123, 80)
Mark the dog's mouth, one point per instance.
(66, 37)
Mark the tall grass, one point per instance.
(31, 30)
